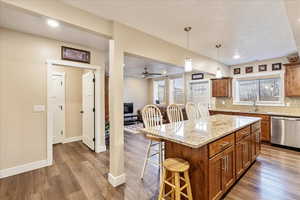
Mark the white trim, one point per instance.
(71, 64)
(24, 168)
(116, 180)
(72, 139)
(98, 107)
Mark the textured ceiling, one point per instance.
(134, 67)
(22, 21)
(254, 29)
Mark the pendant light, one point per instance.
(219, 72)
(188, 65)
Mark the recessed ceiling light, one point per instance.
(236, 56)
(52, 23)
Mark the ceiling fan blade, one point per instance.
(155, 74)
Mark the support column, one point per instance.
(116, 174)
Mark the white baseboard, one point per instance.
(116, 181)
(100, 149)
(24, 168)
(72, 139)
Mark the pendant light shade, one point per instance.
(219, 73)
(188, 64)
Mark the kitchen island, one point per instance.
(219, 149)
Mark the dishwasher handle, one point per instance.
(286, 118)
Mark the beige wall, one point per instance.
(292, 105)
(23, 79)
(136, 91)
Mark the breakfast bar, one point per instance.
(219, 150)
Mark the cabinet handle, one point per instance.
(223, 164)
(224, 145)
(226, 163)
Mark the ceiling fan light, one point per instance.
(188, 67)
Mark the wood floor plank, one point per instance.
(79, 174)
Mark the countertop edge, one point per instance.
(205, 143)
(258, 113)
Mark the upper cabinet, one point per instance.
(292, 80)
(221, 87)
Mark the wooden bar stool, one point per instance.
(177, 185)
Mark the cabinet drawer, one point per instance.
(242, 133)
(220, 145)
(255, 127)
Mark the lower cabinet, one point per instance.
(243, 155)
(255, 146)
(221, 173)
(230, 157)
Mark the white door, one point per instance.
(58, 106)
(88, 105)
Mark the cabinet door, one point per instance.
(246, 152)
(229, 168)
(216, 165)
(265, 131)
(239, 158)
(215, 89)
(292, 85)
(253, 146)
(257, 142)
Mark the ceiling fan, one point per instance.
(147, 74)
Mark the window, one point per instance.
(263, 91)
(199, 92)
(177, 91)
(159, 89)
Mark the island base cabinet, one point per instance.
(243, 155)
(221, 173)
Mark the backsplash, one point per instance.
(292, 106)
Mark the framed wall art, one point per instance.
(276, 66)
(77, 55)
(262, 68)
(249, 69)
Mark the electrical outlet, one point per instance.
(223, 102)
(288, 104)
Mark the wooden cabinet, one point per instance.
(221, 87)
(255, 144)
(292, 77)
(243, 155)
(221, 173)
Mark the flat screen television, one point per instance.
(128, 108)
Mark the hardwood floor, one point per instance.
(79, 174)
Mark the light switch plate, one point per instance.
(39, 108)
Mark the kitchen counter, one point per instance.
(196, 134)
(283, 114)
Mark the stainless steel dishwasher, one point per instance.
(285, 131)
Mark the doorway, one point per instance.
(72, 97)
(93, 120)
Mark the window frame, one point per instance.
(266, 75)
(155, 90)
(209, 89)
(171, 89)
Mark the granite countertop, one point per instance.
(285, 114)
(198, 133)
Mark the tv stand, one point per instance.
(130, 119)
